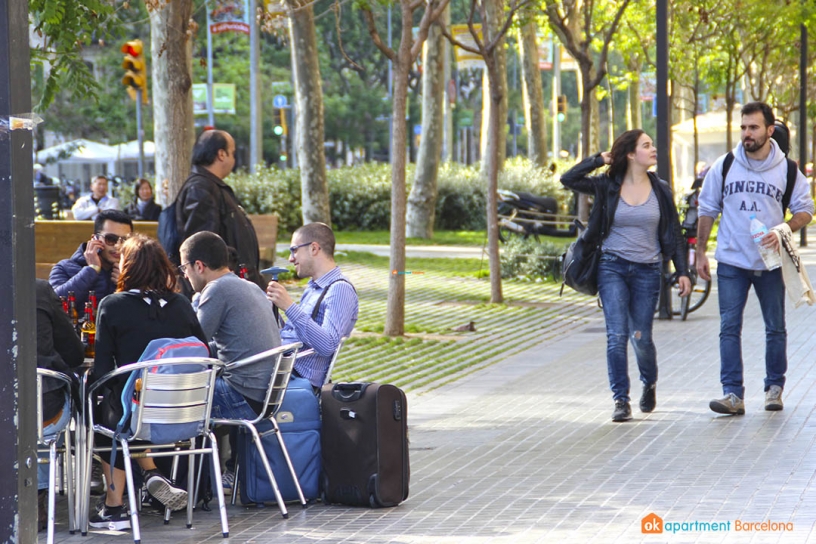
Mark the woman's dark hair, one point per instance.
(138, 185)
(145, 266)
(623, 145)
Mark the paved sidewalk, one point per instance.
(524, 451)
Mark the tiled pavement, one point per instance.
(524, 451)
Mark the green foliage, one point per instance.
(360, 196)
(65, 26)
(527, 258)
(270, 190)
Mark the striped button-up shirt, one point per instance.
(335, 319)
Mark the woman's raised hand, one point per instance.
(607, 157)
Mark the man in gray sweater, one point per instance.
(237, 318)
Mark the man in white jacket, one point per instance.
(755, 184)
(89, 206)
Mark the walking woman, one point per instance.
(636, 220)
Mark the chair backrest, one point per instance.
(173, 399)
(327, 379)
(67, 382)
(277, 389)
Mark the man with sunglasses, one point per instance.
(94, 266)
(328, 307)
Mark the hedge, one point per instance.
(360, 196)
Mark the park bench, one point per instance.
(57, 240)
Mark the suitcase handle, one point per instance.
(349, 392)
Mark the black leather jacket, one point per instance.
(206, 203)
(606, 191)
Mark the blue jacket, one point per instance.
(75, 275)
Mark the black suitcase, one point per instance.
(365, 444)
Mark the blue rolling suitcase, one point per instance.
(299, 423)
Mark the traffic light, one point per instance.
(135, 78)
(562, 108)
(281, 129)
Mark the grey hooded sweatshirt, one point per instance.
(751, 187)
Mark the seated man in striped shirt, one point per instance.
(328, 307)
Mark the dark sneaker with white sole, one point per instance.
(113, 518)
(164, 491)
(648, 400)
(622, 412)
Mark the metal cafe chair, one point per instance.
(49, 443)
(284, 357)
(166, 398)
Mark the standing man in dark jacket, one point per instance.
(94, 266)
(206, 203)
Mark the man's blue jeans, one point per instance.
(229, 403)
(629, 294)
(49, 432)
(733, 284)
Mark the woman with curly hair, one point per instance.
(636, 221)
(144, 307)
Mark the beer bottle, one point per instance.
(94, 302)
(88, 334)
(243, 271)
(72, 310)
(64, 302)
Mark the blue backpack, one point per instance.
(159, 433)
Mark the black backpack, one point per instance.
(168, 233)
(782, 136)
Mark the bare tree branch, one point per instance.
(428, 18)
(352, 64)
(602, 67)
(375, 36)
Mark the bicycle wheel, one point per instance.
(700, 289)
(680, 305)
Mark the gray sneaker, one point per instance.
(729, 404)
(773, 399)
(171, 496)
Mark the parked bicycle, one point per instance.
(524, 214)
(700, 288)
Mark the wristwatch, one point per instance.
(96, 267)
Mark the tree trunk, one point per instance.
(494, 10)
(309, 120)
(633, 103)
(422, 200)
(534, 117)
(492, 158)
(395, 306)
(173, 130)
(495, 152)
(589, 132)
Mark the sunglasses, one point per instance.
(293, 249)
(110, 238)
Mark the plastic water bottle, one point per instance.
(758, 231)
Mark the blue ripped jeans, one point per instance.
(629, 293)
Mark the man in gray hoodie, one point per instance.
(755, 185)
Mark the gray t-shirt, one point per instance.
(633, 235)
(238, 318)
